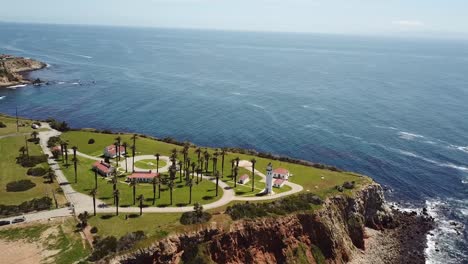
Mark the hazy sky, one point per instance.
(436, 17)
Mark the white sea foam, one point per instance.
(441, 164)
(48, 65)
(258, 106)
(75, 83)
(60, 82)
(408, 136)
(386, 127)
(17, 86)
(1, 97)
(236, 93)
(460, 148)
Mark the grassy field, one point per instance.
(58, 241)
(319, 181)
(10, 122)
(203, 193)
(11, 171)
(149, 164)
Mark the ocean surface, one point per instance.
(392, 108)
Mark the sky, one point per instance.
(431, 17)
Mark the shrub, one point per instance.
(130, 239)
(197, 216)
(37, 171)
(2, 124)
(60, 126)
(31, 161)
(103, 247)
(94, 230)
(91, 141)
(348, 185)
(20, 186)
(26, 207)
(53, 141)
(280, 207)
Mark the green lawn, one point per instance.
(58, 238)
(10, 122)
(149, 164)
(310, 178)
(11, 171)
(203, 193)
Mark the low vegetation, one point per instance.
(197, 216)
(283, 206)
(110, 245)
(20, 186)
(36, 204)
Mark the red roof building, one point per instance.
(281, 173)
(142, 176)
(243, 179)
(111, 152)
(278, 183)
(103, 168)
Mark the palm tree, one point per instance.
(217, 182)
(116, 199)
(198, 172)
(93, 193)
(232, 167)
(193, 168)
(116, 145)
(187, 168)
(141, 198)
(134, 137)
(253, 173)
(125, 145)
(171, 186)
(223, 153)
(62, 150)
(75, 167)
(84, 219)
(215, 161)
(185, 151)
(190, 185)
(117, 149)
(237, 161)
(114, 182)
(133, 184)
(180, 171)
(207, 158)
(236, 171)
(75, 161)
(157, 155)
(155, 181)
(202, 161)
(65, 147)
(95, 179)
(34, 135)
(198, 151)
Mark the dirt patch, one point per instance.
(20, 252)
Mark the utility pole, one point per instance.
(17, 121)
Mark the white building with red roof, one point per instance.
(142, 176)
(278, 183)
(281, 173)
(111, 151)
(105, 169)
(243, 179)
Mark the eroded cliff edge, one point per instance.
(12, 69)
(335, 233)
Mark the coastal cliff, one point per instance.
(12, 69)
(335, 233)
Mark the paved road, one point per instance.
(147, 157)
(43, 215)
(15, 135)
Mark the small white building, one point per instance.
(278, 183)
(142, 176)
(243, 179)
(281, 173)
(111, 151)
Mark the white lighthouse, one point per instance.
(269, 179)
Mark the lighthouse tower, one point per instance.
(269, 179)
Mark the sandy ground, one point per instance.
(19, 252)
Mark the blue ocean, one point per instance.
(395, 109)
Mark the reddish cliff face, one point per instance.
(328, 235)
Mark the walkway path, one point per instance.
(43, 215)
(82, 202)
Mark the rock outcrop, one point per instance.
(12, 69)
(331, 234)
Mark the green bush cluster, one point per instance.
(60, 126)
(36, 171)
(20, 186)
(197, 216)
(91, 141)
(54, 141)
(279, 207)
(2, 124)
(31, 161)
(36, 204)
(109, 245)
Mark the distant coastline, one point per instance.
(13, 70)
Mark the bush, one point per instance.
(26, 207)
(348, 185)
(37, 171)
(110, 244)
(130, 239)
(2, 124)
(91, 141)
(60, 126)
(280, 207)
(94, 230)
(197, 216)
(31, 161)
(20, 186)
(53, 141)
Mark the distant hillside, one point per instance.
(11, 69)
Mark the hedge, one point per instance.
(20, 186)
(26, 207)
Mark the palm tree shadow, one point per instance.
(207, 198)
(181, 204)
(105, 217)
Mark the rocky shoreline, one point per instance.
(13, 70)
(357, 229)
